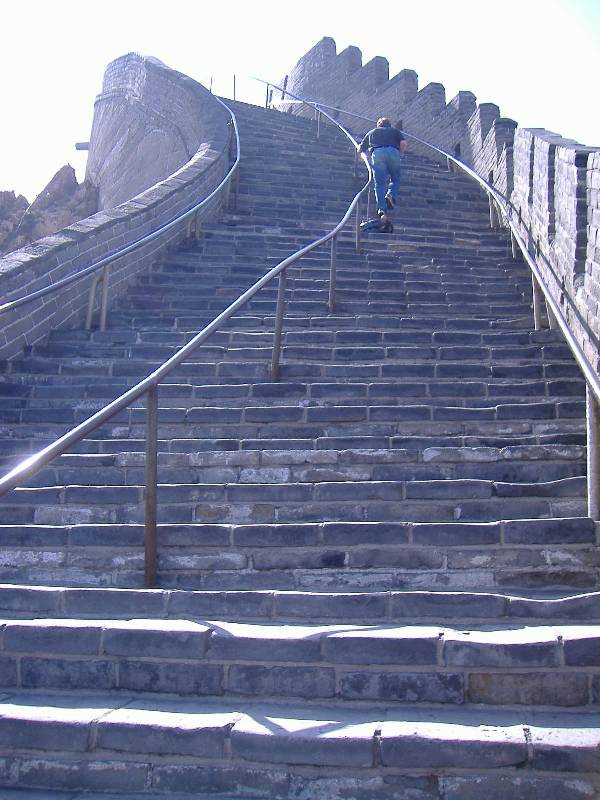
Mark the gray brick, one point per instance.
(275, 535)
(353, 533)
(565, 748)
(550, 531)
(403, 558)
(481, 650)
(343, 746)
(114, 602)
(54, 673)
(146, 676)
(265, 645)
(447, 605)
(583, 650)
(52, 637)
(302, 605)
(385, 646)
(452, 533)
(416, 687)
(538, 688)
(444, 744)
(102, 776)
(213, 779)
(299, 559)
(256, 680)
(426, 490)
(184, 640)
(228, 604)
(140, 730)
(517, 787)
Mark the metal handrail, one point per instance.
(97, 265)
(149, 385)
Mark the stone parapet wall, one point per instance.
(148, 122)
(553, 183)
(79, 245)
(554, 200)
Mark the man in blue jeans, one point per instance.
(385, 145)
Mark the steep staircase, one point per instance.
(378, 579)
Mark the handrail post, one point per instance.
(332, 274)
(151, 492)
(104, 305)
(552, 321)
(357, 231)
(538, 299)
(278, 325)
(513, 245)
(369, 202)
(92, 299)
(318, 119)
(593, 454)
(492, 211)
(267, 96)
(356, 163)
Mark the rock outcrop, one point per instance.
(12, 208)
(61, 203)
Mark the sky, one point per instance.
(538, 60)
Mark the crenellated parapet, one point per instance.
(553, 183)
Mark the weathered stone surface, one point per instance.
(416, 687)
(145, 730)
(431, 744)
(304, 741)
(499, 787)
(255, 680)
(538, 688)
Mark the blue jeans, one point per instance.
(386, 168)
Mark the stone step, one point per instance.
(511, 464)
(305, 421)
(333, 556)
(345, 349)
(521, 435)
(550, 666)
(109, 742)
(528, 606)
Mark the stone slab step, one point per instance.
(404, 607)
(556, 666)
(336, 556)
(101, 742)
(511, 464)
(426, 500)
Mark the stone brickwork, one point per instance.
(148, 122)
(79, 245)
(553, 196)
(552, 182)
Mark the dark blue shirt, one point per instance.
(381, 137)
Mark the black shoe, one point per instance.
(389, 201)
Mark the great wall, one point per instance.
(377, 559)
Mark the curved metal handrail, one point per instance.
(97, 265)
(149, 385)
(507, 210)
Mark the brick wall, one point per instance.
(48, 260)
(552, 182)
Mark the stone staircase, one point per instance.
(378, 579)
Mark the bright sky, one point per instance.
(537, 59)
